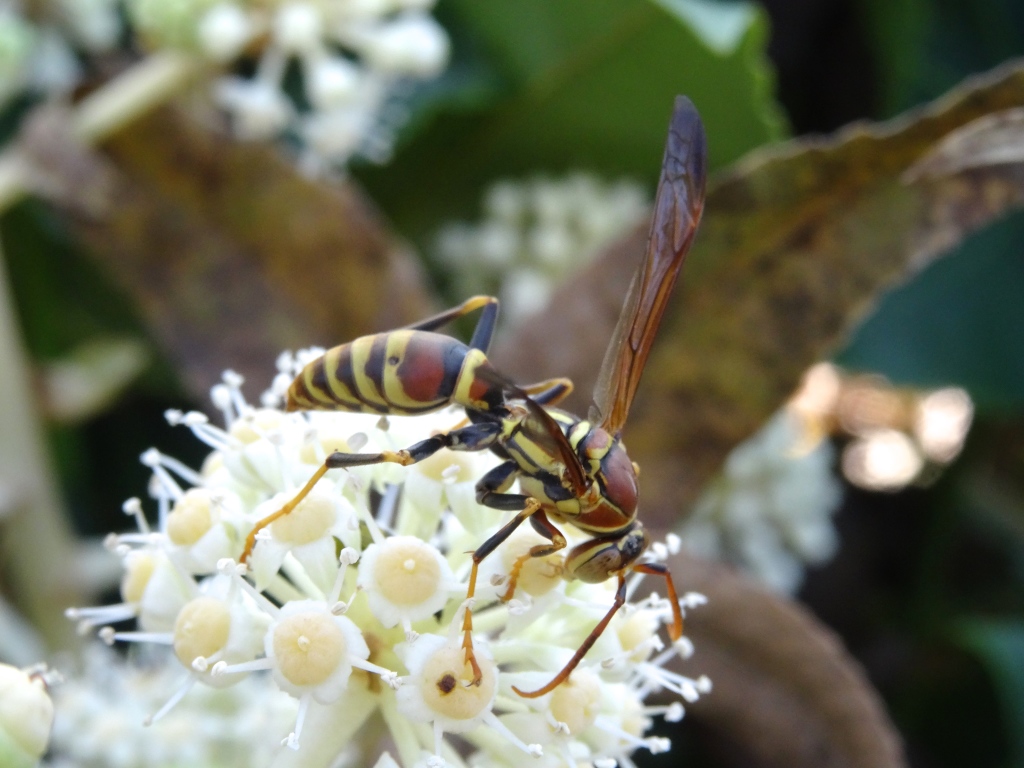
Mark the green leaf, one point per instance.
(960, 322)
(999, 645)
(584, 85)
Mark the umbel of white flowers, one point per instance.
(356, 58)
(354, 602)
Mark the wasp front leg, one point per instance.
(490, 491)
(475, 437)
(556, 540)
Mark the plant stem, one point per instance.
(38, 545)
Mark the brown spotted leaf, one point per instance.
(786, 693)
(796, 243)
(233, 256)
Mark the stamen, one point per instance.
(533, 750)
(171, 702)
(154, 461)
(182, 470)
(158, 638)
(256, 665)
(93, 616)
(133, 508)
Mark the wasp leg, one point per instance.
(550, 391)
(620, 600)
(658, 569)
(543, 526)
(484, 331)
(531, 508)
(490, 491)
(475, 437)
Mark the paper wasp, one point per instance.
(570, 470)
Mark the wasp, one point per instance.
(570, 470)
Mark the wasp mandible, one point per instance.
(570, 470)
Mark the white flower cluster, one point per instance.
(354, 602)
(770, 511)
(355, 57)
(98, 722)
(535, 233)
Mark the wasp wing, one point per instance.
(677, 210)
(542, 429)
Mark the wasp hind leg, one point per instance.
(484, 331)
(550, 391)
(475, 437)
(561, 677)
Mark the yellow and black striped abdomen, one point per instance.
(403, 373)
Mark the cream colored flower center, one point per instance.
(309, 647)
(309, 521)
(447, 684)
(636, 630)
(138, 568)
(575, 702)
(190, 519)
(256, 426)
(201, 629)
(329, 443)
(407, 571)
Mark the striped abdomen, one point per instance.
(402, 372)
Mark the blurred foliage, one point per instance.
(575, 85)
(928, 589)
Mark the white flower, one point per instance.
(332, 81)
(260, 110)
(224, 30)
(308, 534)
(405, 580)
(200, 528)
(413, 44)
(26, 716)
(219, 626)
(440, 686)
(313, 650)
